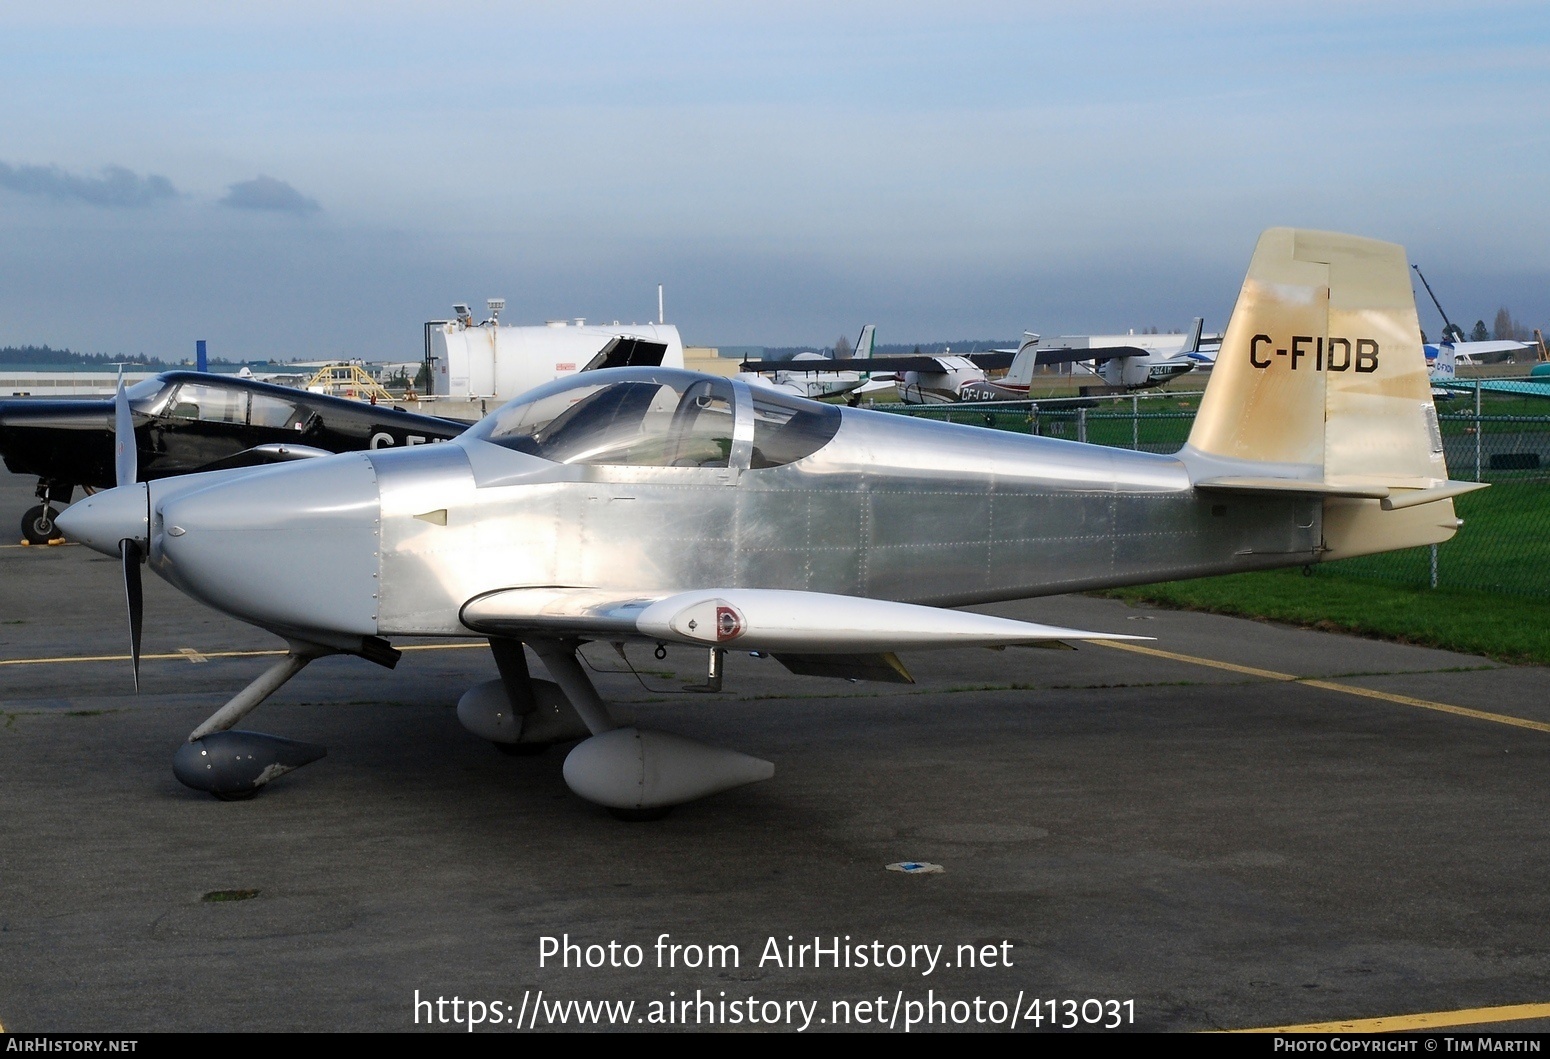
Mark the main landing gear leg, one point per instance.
(634, 773)
(520, 716)
(233, 765)
(517, 683)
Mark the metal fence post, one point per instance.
(1135, 423)
(1081, 424)
(1477, 430)
(1434, 566)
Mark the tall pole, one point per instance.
(1448, 330)
(661, 316)
(1478, 428)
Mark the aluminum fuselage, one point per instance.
(891, 508)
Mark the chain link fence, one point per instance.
(1503, 439)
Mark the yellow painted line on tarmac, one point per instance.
(1268, 674)
(1441, 707)
(124, 658)
(1409, 1023)
(188, 654)
(1330, 685)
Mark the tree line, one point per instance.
(47, 355)
(1503, 328)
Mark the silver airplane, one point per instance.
(658, 506)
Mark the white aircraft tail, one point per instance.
(1321, 388)
(1020, 374)
(1445, 367)
(865, 342)
(1192, 339)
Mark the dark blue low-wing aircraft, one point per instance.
(186, 421)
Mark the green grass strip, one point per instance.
(1506, 629)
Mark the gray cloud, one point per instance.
(116, 186)
(267, 193)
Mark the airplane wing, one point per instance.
(993, 360)
(874, 365)
(1467, 350)
(1095, 353)
(1519, 388)
(753, 619)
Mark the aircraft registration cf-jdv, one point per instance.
(658, 506)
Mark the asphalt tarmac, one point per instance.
(1125, 839)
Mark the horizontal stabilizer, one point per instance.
(777, 620)
(1394, 497)
(1305, 486)
(1403, 498)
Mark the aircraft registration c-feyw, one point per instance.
(660, 506)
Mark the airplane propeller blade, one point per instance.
(125, 460)
(134, 596)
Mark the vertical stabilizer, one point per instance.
(1197, 327)
(864, 343)
(1321, 385)
(1322, 368)
(1445, 367)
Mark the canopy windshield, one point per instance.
(657, 417)
(631, 417)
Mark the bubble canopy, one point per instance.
(658, 417)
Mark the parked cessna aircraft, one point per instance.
(187, 421)
(1165, 357)
(793, 379)
(1124, 367)
(945, 378)
(658, 506)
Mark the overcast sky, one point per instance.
(318, 179)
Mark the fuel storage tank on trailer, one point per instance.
(498, 361)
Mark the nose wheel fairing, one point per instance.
(232, 765)
(235, 764)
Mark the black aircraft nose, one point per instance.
(64, 440)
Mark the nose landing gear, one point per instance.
(38, 525)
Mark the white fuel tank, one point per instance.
(495, 361)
